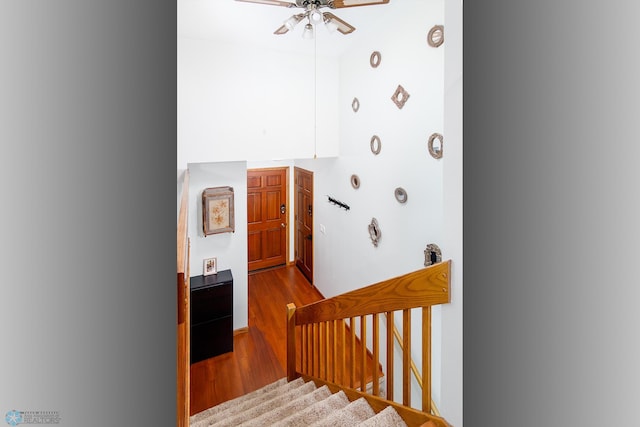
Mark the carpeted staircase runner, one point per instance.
(295, 403)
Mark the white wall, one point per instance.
(229, 248)
(452, 314)
(237, 102)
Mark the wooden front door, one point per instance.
(267, 217)
(304, 222)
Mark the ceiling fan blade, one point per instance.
(351, 3)
(342, 26)
(282, 30)
(271, 2)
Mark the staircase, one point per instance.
(295, 403)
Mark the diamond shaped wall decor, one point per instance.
(400, 97)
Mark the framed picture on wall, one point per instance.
(210, 266)
(217, 210)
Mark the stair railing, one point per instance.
(414, 370)
(320, 348)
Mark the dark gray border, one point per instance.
(88, 132)
(551, 208)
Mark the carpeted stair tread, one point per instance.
(351, 415)
(247, 411)
(295, 404)
(388, 417)
(316, 412)
(282, 412)
(275, 387)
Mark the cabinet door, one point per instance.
(211, 339)
(211, 303)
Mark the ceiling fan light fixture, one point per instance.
(307, 34)
(292, 22)
(315, 16)
(330, 25)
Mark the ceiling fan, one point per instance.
(313, 13)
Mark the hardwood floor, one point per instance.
(259, 355)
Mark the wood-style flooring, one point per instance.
(259, 355)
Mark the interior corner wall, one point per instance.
(239, 102)
(230, 249)
(452, 314)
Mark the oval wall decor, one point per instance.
(435, 145)
(375, 144)
(374, 232)
(355, 105)
(375, 59)
(401, 195)
(355, 181)
(435, 38)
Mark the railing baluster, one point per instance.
(363, 353)
(376, 355)
(322, 363)
(343, 362)
(426, 359)
(406, 357)
(327, 369)
(314, 338)
(303, 349)
(352, 327)
(334, 350)
(291, 342)
(390, 379)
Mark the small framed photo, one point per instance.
(210, 266)
(217, 210)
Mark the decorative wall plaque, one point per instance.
(217, 210)
(355, 105)
(401, 195)
(374, 232)
(432, 255)
(400, 97)
(435, 38)
(375, 144)
(436, 143)
(375, 59)
(355, 181)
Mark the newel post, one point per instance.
(291, 342)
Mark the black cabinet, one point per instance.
(211, 315)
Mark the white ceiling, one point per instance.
(240, 22)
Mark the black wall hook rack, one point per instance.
(338, 202)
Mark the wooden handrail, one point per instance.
(420, 289)
(183, 338)
(426, 287)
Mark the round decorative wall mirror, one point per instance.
(375, 59)
(375, 144)
(435, 145)
(435, 38)
(355, 105)
(355, 181)
(401, 195)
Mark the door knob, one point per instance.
(309, 237)
(283, 225)
(283, 208)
